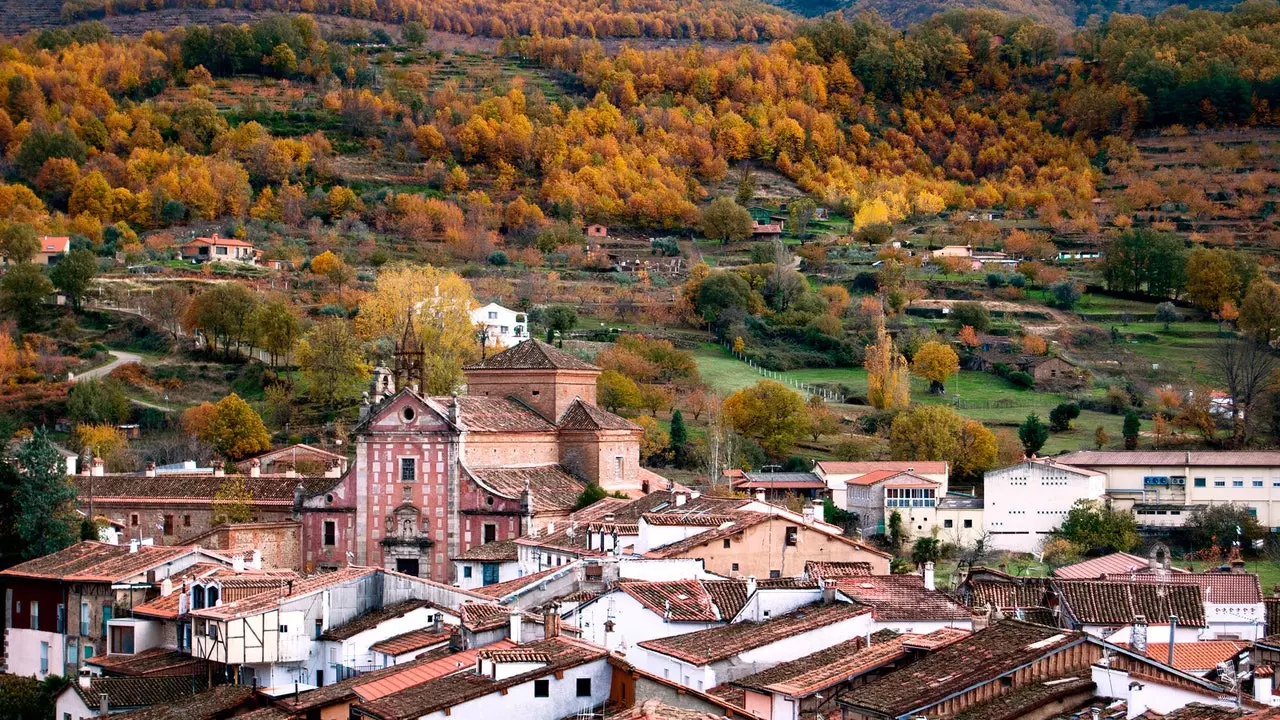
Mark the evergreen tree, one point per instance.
(1033, 434)
(1132, 426)
(44, 498)
(679, 438)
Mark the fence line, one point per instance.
(827, 394)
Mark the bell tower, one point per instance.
(410, 358)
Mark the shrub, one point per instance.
(971, 313)
(498, 258)
(1060, 417)
(1022, 379)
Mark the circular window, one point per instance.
(328, 499)
(407, 414)
(489, 500)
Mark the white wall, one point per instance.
(656, 536)
(506, 571)
(70, 705)
(22, 652)
(1247, 622)
(655, 570)
(518, 701)
(770, 603)
(1025, 502)
(354, 652)
(1146, 695)
(632, 622)
(516, 331)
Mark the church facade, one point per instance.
(436, 476)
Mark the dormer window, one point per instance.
(197, 597)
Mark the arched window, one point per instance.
(197, 597)
(211, 596)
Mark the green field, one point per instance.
(978, 395)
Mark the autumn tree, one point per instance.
(166, 306)
(977, 450)
(1211, 279)
(1260, 311)
(439, 303)
(768, 412)
(936, 362)
(888, 385)
(233, 503)
(100, 440)
(822, 420)
(800, 212)
(653, 441)
(235, 430)
(277, 329)
(725, 220)
(938, 432)
(195, 419)
(615, 391)
(223, 313)
(332, 363)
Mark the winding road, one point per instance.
(121, 358)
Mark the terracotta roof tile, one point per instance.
(1201, 711)
(533, 354)
(979, 658)
(410, 641)
(446, 692)
(825, 668)
(781, 481)
(720, 643)
(503, 589)
(91, 561)
(421, 671)
(740, 522)
(484, 413)
(138, 692)
(1220, 588)
(819, 569)
(690, 600)
(583, 416)
(553, 488)
(372, 619)
(1009, 594)
(653, 709)
(500, 551)
(1099, 567)
(677, 519)
(261, 602)
(1025, 700)
(1106, 602)
(481, 616)
(1202, 655)
(153, 662)
(266, 489)
(902, 597)
(219, 702)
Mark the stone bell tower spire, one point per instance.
(410, 358)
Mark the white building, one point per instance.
(1162, 488)
(487, 564)
(1026, 502)
(841, 477)
(503, 327)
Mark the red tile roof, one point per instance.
(1105, 602)
(939, 638)
(902, 597)
(552, 487)
(220, 702)
(264, 601)
(1202, 655)
(834, 665)
(410, 641)
(484, 413)
(690, 600)
(582, 416)
(91, 561)
(500, 551)
(154, 662)
(980, 658)
(446, 692)
(1095, 568)
(421, 672)
(1219, 588)
(55, 244)
(533, 354)
(819, 569)
(138, 692)
(720, 643)
(372, 619)
(503, 589)
(215, 240)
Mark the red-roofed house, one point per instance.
(220, 249)
(60, 606)
(860, 487)
(51, 249)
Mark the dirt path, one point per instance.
(121, 358)
(1057, 318)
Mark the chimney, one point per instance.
(151, 469)
(166, 587)
(928, 576)
(133, 545)
(610, 517)
(829, 593)
(86, 678)
(551, 620)
(255, 560)
(99, 467)
(237, 563)
(807, 512)
(1138, 634)
(1263, 683)
(219, 470)
(290, 472)
(751, 585)
(436, 621)
(982, 618)
(1173, 631)
(681, 498)
(666, 611)
(516, 630)
(453, 410)
(760, 495)
(104, 705)
(695, 494)
(255, 467)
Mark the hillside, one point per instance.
(1060, 14)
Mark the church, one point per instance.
(436, 476)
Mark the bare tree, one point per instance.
(1246, 368)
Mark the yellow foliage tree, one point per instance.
(325, 263)
(1034, 345)
(100, 440)
(888, 385)
(441, 303)
(936, 362)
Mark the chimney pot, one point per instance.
(99, 467)
(219, 470)
(86, 679)
(751, 585)
(929, 577)
(681, 499)
(516, 627)
(151, 469)
(255, 467)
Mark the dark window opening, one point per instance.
(584, 687)
(541, 688)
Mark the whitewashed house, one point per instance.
(1026, 502)
(503, 327)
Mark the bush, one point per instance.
(665, 246)
(996, 280)
(971, 313)
(1060, 417)
(1089, 336)
(498, 258)
(1022, 379)
(1018, 280)
(1065, 294)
